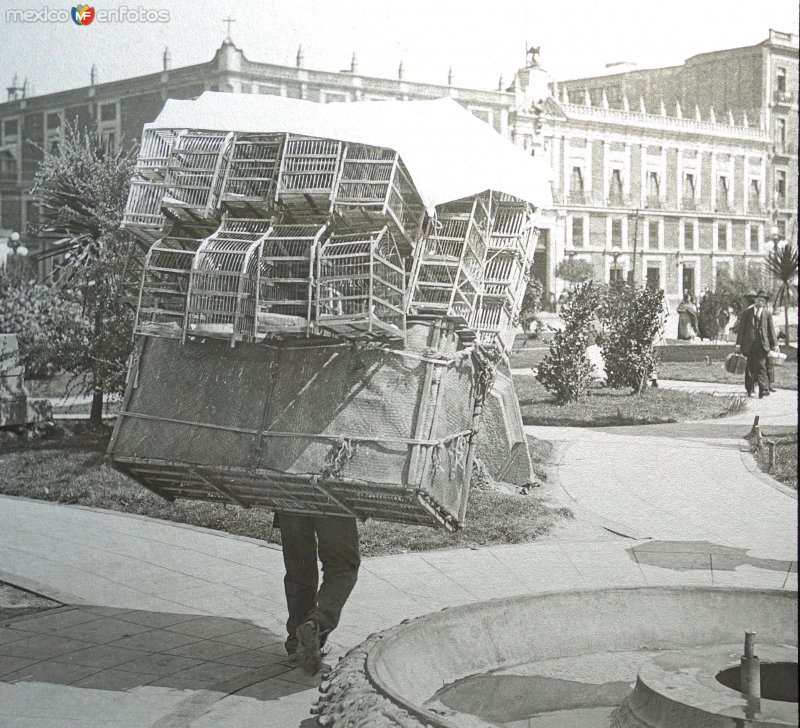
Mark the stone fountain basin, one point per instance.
(394, 673)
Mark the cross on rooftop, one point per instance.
(229, 20)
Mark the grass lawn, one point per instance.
(69, 467)
(785, 376)
(784, 462)
(607, 407)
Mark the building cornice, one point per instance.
(657, 122)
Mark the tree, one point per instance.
(574, 270)
(782, 263)
(633, 318)
(565, 371)
(83, 188)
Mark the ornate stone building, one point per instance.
(672, 174)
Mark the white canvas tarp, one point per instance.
(449, 153)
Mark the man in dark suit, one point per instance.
(755, 339)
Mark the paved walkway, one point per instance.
(176, 627)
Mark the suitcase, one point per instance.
(778, 358)
(735, 363)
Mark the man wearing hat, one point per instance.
(755, 338)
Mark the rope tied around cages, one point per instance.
(338, 456)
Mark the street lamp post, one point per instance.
(775, 237)
(11, 246)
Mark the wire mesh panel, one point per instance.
(448, 267)
(374, 185)
(361, 285)
(224, 281)
(143, 212)
(286, 279)
(307, 176)
(252, 162)
(164, 289)
(194, 173)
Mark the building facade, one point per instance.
(671, 175)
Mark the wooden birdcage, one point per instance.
(502, 275)
(447, 274)
(143, 214)
(286, 280)
(223, 286)
(361, 285)
(194, 174)
(251, 166)
(155, 152)
(308, 171)
(373, 185)
(493, 323)
(164, 288)
(511, 225)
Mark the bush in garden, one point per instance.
(565, 371)
(633, 318)
(711, 304)
(47, 321)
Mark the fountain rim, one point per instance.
(390, 636)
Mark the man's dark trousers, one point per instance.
(756, 372)
(335, 538)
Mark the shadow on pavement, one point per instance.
(691, 555)
(115, 649)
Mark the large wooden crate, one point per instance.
(324, 428)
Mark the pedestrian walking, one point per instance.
(756, 337)
(314, 609)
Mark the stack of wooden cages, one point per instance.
(276, 234)
(447, 274)
(509, 254)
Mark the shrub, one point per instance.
(47, 322)
(633, 318)
(565, 371)
(708, 314)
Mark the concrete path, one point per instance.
(692, 481)
(176, 627)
